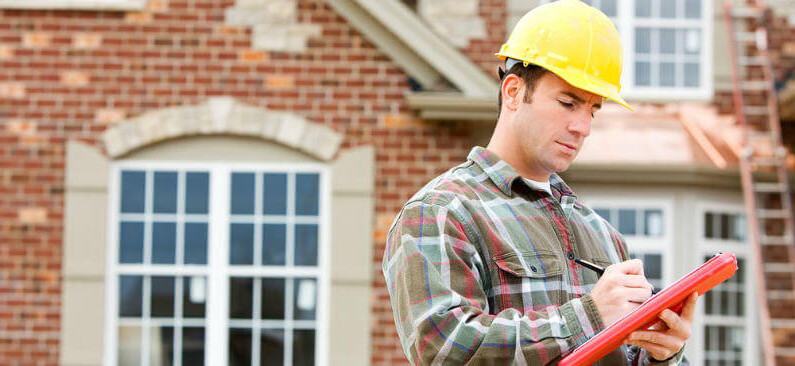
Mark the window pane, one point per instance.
(240, 299)
(273, 244)
(132, 191)
(608, 7)
(304, 347)
(306, 245)
(693, 9)
(164, 241)
(197, 193)
(627, 222)
(193, 346)
(667, 41)
(653, 223)
(239, 347)
(242, 193)
(307, 190)
(643, 41)
(667, 8)
(708, 228)
(652, 266)
(667, 74)
(130, 296)
(692, 75)
(165, 200)
(162, 346)
(643, 8)
(195, 243)
(275, 195)
(163, 297)
(131, 242)
(194, 296)
(241, 244)
(724, 226)
(739, 227)
(305, 298)
(129, 346)
(725, 343)
(273, 298)
(642, 73)
(692, 41)
(272, 347)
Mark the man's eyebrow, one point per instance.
(580, 100)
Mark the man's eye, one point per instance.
(567, 104)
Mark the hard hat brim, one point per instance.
(580, 80)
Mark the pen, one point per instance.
(600, 270)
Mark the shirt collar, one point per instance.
(504, 175)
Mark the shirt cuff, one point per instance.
(673, 360)
(582, 319)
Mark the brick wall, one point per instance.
(70, 74)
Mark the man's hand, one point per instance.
(621, 289)
(668, 336)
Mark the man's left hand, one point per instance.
(668, 336)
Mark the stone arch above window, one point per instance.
(222, 116)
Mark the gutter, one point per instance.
(453, 107)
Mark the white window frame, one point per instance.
(640, 244)
(218, 271)
(626, 23)
(74, 4)
(741, 249)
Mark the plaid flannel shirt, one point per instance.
(479, 269)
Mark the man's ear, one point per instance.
(512, 89)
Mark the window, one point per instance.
(213, 255)
(724, 307)
(728, 332)
(724, 226)
(75, 4)
(645, 232)
(667, 47)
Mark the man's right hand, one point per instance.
(621, 289)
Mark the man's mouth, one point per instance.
(567, 146)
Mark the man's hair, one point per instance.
(530, 75)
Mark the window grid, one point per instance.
(646, 242)
(729, 313)
(289, 272)
(146, 269)
(628, 23)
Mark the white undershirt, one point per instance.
(540, 185)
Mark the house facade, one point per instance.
(190, 182)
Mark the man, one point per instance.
(480, 262)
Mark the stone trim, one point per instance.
(457, 21)
(416, 37)
(274, 23)
(74, 4)
(222, 116)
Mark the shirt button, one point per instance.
(571, 255)
(533, 268)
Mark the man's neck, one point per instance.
(513, 158)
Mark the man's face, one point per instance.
(552, 128)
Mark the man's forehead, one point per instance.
(560, 86)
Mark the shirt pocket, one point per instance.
(528, 280)
(541, 264)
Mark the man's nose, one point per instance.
(580, 124)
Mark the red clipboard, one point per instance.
(702, 279)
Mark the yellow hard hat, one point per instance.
(573, 40)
